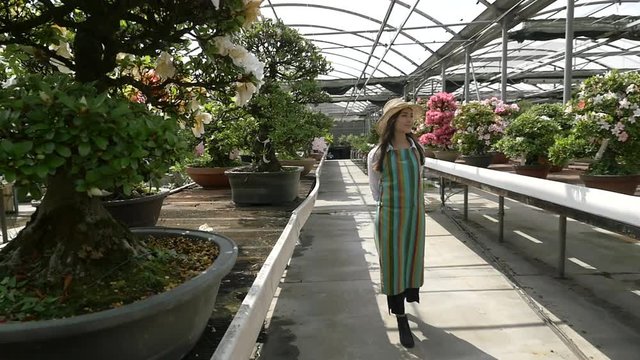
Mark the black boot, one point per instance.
(406, 339)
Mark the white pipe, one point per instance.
(620, 207)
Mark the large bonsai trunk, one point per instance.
(268, 162)
(69, 234)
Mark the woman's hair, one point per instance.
(385, 141)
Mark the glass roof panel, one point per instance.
(346, 31)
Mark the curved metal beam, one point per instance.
(330, 8)
(355, 34)
(356, 60)
(428, 17)
(362, 51)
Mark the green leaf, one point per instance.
(48, 148)
(63, 151)
(6, 145)
(102, 143)
(41, 170)
(22, 147)
(10, 175)
(84, 149)
(55, 161)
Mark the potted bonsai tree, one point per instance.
(292, 64)
(78, 283)
(442, 107)
(478, 128)
(606, 111)
(528, 139)
(217, 149)
(293, 139)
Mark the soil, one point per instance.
(255, 229)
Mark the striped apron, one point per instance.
(400, 222)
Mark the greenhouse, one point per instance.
(287, 179)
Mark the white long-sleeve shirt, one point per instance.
(374, 176)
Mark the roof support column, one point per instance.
(505, 43)
(568, 53)
(443, 76)
(467, 72)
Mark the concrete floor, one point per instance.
(480, 300)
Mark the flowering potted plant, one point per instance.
(440, 113)
(506, 113)
(528, 138)
(606, 110)
(216, 148)
(82, 285)
(478, 127)
(318, 147)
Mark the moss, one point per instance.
(169, 262)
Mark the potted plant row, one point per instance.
(606, 129)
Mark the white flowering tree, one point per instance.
(115, 80)
(606, 127)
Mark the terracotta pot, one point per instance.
(499, 158)
(625, 184)
(538, 171)
(316, 156)
(209, 178)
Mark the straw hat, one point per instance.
(393, 107)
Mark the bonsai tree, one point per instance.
(478, 128)
(606, 127)
(293, 138)
(292, 64)
(529, 137)
(83, 132)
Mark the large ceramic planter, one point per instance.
(209, 177)
(482, 161)
(162, 327)
(143, 211)
(259, 188)
(446, 155)
(307, 164)
(538, 171)
(625, 184)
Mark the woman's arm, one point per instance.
(374, 176)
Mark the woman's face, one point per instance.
(404, 122)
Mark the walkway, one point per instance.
(329, 307)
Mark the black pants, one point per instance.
(396, 302)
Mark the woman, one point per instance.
(395, 178)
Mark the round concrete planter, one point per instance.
(209, 177)
(143, 211)
(259, 188)
(163, 327)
